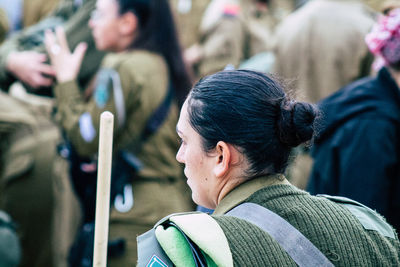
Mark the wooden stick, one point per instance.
(103, 189)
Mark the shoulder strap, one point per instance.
(299, 248)
(159, 115)
(368, 218)
(156, 118)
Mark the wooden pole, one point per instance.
(103, 189)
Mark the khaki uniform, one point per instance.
(75, 19)
(159, 188)
(34, 184)
(231, 36)
(319, 49)
(3, 25)
(35, 177)
(35, 10)
(188, 14)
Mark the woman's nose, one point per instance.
(179, 155)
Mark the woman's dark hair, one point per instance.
(157, 33)
(251, 111)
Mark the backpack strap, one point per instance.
(299, 248)
(368, 218)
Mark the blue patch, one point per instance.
(156, 262)
(86, 128)
(101, 95)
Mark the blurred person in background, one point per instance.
(230, 32)
(143, 79)
(32, 163)
(188, 14)
(357, 153)
(24, 13)
(23, 57)
(35, 187)
(320, 48)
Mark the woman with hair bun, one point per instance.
(237, 129)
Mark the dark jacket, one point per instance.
(357, 152)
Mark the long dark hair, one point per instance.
(251, 111)
(157, 33)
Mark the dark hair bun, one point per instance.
(296, 122)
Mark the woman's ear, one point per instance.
(223, 159)
(128, 23)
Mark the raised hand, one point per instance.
(30, 68)
(65, 63)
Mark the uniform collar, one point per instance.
(243, 191)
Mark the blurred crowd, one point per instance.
(64, 62)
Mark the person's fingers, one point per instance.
(46, 69)
(79, 52)
(37, 57)
(49, 41)
(39, 80)
(62, 39)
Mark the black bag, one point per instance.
(81, 253)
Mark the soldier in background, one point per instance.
(34, 183)
(24, 13)
(36, 189)
(35, 10)
(23, 57)
(230, 31)
(188, 15)
(320, 48)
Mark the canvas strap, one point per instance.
(299, 248)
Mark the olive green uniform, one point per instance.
(3, 25)
(74, 19)
(35, 10)
(346, 236)
(320, 48)
(188, 19)
(231, 33)
(39, 198)
(159, 188)
(34, 186)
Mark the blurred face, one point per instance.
(104, 23)
(198, 165)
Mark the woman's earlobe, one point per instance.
(222, 159)
(130, 23)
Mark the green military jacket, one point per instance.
(35, 10)
(321, 48)
(74, 18)
(333, 229)
(144, 81)
(159, 188)
(188, 14)
(34, 183)
(231, 32)
(3, 25)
